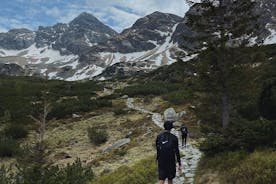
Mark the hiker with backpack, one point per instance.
(167, 150)
(184, 134)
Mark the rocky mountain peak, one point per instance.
(88, 21)
(85, 19)
(156, 19)
(20, 31)
(145, 34)
(76, 37)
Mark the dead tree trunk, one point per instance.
(225, 111)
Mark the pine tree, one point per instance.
(41, 117)
(222, 31)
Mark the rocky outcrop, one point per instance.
(264, 9)
(118, 144)
(11, 69)
(17, 39)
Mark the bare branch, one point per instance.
(35, 119)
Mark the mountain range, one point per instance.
(85, 48)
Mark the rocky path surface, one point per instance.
(191, 154)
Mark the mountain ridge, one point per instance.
(83, 50)
(85, 47)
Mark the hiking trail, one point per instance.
(191, 154)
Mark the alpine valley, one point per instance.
(85, 48)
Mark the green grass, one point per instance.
(143, 172)
(240, 167)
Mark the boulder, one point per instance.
(170, 114)
(76, 116)
(117, 144)
(182, 114)
(124, 97)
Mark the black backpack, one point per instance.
(184, 130)
(164, 146)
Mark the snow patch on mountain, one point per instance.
(160, 55)
(271, 39)
(52, 75)
(162, 33)
(73, 65)
(153, 42)
(86, 72)
(113, 58)
(44, 55)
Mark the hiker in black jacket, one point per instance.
(184, 134)
(167, 150)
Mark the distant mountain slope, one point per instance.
(266, 20)
(85, 47)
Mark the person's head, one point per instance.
(168, 125)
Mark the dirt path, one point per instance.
(191, 154)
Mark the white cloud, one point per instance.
(143, 7)
(118, 14)
(122, 19)
(72, 11)
(32, 12)
(54, 12)
(15, 23)
(123, 13)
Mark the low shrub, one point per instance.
(250, 135)
(102, 103)
(249, 111)
(213, 144)
(97, 136)
(16, 131)
(151, 88)
(178, 97)
(8, 147)
(120, 111)
(241, 135)
(69, 106)
(5, 175)
(120, 152)
(74, 173)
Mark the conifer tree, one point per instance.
(41, 117)
(223, 29)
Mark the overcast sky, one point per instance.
(118, 14)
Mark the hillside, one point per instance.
(81, 103)
(76, 106)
